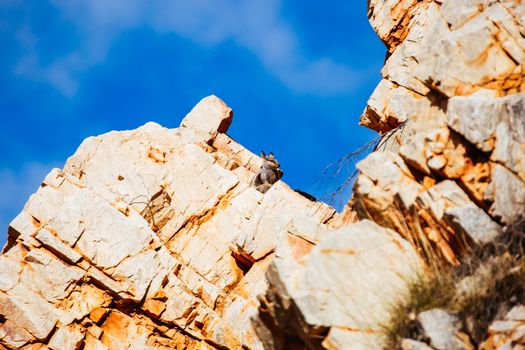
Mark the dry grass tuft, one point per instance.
(487, 284)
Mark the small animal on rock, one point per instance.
(269, 174)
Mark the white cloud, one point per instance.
(256, 25)
(15, 189)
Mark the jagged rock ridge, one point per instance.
(153, 238)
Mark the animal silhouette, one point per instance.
(269, 174)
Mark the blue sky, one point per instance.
(296, 73)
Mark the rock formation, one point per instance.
(154, 239)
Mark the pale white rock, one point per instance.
(14, 336)
(107, 248)
(449, 203)
(339, 338)
(308, 229)
(10, 267)
(503, 326)
(191, 281)
(408, 65)
(495, 125)
(23, 226)
(188, 176)
(390, 105)
(458, 13)
(386, 16)
(125, 165)
(214, 236)
(456, 62)
(31, 312)
(517, 313)
(144, 221)
(347, 249)
(384, 175)
(142, 271)
(198, 183)
(211, 115)
(437, 163)
(272, 218)
(441, 327)
(518, 335)
(44, 206)
(508, 346)
(52, 286)
(473, 221)
(421, 142)
(55, 178)
(372, 258)
(51, 242)
(507, 193)
(67, 338)
(107, 282)
(81, 302)
(182, 308)
(476, 118)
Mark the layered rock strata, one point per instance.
(451, 107)
(447, 175)
(153, 238)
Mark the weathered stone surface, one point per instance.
(65, 338)
(314, 298)
(51, 242)
(449, 203)
(14, 336)
(390, 19)
(495, 125)
(147, 227)
(451, 105)
(211, 116)
(507, 194)
(30, 311)
(441, 327)
(463, 60)
(10, 267)
(153, 238)
(388, 193)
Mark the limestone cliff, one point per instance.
(154, 239)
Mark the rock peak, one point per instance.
(211, 115)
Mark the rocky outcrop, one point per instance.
(154, 239)
(151, 238)
(451, 107)
(446, 175)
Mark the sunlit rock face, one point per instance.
(447, 175)
(451, 107)
(154, 239)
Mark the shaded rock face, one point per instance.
(154, 239)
